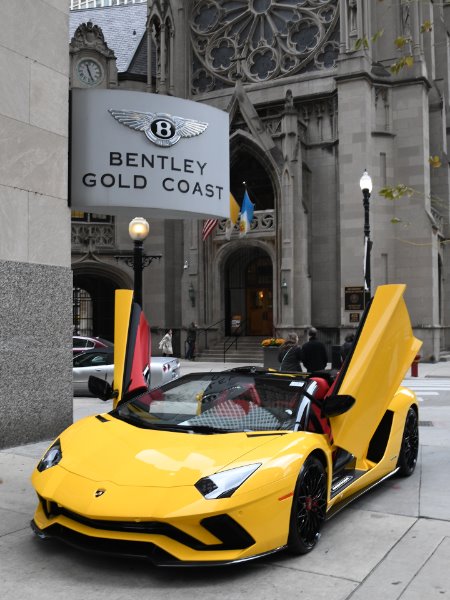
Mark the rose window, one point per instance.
(260, 40)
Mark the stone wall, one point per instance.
(35, 274)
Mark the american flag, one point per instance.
(208, 227)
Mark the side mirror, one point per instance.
(100, 388)
(337, 405)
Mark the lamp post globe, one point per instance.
(365, 183)
(138, 230)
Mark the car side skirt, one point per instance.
(340, 505)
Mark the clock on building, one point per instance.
(89, 71)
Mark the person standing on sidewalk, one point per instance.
(314, 353)
(166, 344)
(290, 355)
(191, 339)
(347, 346)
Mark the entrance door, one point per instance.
(249, 293)
(259, 311)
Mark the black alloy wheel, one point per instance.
(409, 451)
(308, 507)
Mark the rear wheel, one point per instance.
(308, 507)
(410, 445)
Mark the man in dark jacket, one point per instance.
(347, 346)
(314, 353)
(191, 339)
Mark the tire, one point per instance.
(409, 450)
(309, 507)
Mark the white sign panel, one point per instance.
(161, 156)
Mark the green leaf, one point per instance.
(397, 191)
(404, 61)
(386, 192)
(435, 162)
(404, 189)
(400, 41)
(426, 26)
(377, 35)
(395, 67)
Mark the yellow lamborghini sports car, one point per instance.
(222, 467)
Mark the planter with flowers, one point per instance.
(271, 348)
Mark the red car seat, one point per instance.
(317, 422)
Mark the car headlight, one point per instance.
(51, 457)
(225, 483)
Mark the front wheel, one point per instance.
(308, 507)
(410, 445)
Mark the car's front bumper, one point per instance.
(194, 531)
(137, 549)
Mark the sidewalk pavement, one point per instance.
(391, 544)
(425, 370)
(439, 370)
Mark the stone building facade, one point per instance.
(315, 95)
(35, 270)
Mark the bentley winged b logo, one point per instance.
(160, 128)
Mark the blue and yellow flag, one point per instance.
(234, 216)
(246, 215)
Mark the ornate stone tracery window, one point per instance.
(260, 40)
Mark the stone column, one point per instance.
(293, 246)
(355, 124)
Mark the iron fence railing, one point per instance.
(231, 340)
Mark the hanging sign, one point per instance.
(159, 155)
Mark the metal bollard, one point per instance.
(415, 366)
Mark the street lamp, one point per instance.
(365, 183)
(138, 230)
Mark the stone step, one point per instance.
(212, 354)
(208, 351)
(249, 350)
(231, 359)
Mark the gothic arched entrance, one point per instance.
(93, 299)
(248, 291)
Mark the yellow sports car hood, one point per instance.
(384, 350)
(111, 450)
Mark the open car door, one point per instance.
(131, 347)
(384, 350)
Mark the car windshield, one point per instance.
(220, 402)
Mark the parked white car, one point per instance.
(100, 362)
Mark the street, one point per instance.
(392, 543)
(432, 392)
